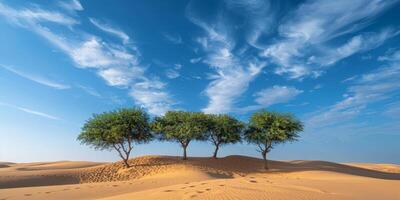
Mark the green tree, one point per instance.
(223, 129)
(182, 127)
(265, 129)
(117, 130)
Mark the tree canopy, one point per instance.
(223, 129)
(117, 130)
(265, 129)
(182, 127)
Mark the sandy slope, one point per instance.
(233, 177)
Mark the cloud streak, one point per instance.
(37, 79)
(30, 111)
(110, 29)
(175, 39)
(271, 96)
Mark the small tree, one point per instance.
(266, 129)
(182, 127)
(117, 130)
(223, 129)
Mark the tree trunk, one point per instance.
(126, 163)
(216, 151)
(264, 154)
(184, 152)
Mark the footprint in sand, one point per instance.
(192, 186)
(203, 183)
(27, 195)
(199, 192)
(208, 189)
(115, 185)
(168, 190)
(253, 181)
(193, 196)
(47, 192)
(222, 185)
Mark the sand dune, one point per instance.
(232, 177)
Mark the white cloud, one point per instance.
(151, 95)
(306, 29)
(110, 29)
(276, 94)
(91, 54)
(71, 5)
(359, 43)
(232, 73)
(30, 111)
(390, 56)
(260, 16)
(121, 76)
(174, 38)
(25, 17)
(227, 86)
(195, 60)
(172, 74)
(271, 96)
(36, 78)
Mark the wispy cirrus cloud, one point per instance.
(71, 5)
(30, 111)
(391, 55)
(152, 96)
(300, 49)
(26, 17)
(173, 72)
(174, 38)
(195, 60)
(232, 73)
(90, 91)
(260, 17)
(110, 29)
(379, 85)
(36, 78)
(314, 23)
(116, 63)
(356, 44)
(270, 96)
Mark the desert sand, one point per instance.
(232, 177)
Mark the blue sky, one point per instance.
(334, 64)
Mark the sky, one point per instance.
(334, 64)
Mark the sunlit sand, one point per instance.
(232, 177)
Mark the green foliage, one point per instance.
(269, 128)
(181, 126)
(223, 129)
(117, 130)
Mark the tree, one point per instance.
(266, 129)
(223, 129)
(117, 130)
(182, 127)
